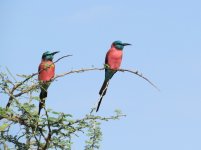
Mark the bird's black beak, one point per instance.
(53, 53)
(126, 44)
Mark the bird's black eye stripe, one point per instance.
(120, 44)
(48, 54)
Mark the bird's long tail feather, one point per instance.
(99, 104)
(103, 89)
(43, 93)
(43, 96)
(102, 92)
(41, 105)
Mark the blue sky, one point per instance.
(166, 48)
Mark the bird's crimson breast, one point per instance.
(114, 58)
(47, 71)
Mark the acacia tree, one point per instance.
(52, 130)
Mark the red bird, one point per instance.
(46, 72)
(112, 63)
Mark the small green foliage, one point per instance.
(95, 136)
(3, 127)
(118, 112)
(2, 111)
(51, 130)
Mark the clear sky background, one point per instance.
(166, 38)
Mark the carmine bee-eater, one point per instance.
(112, 63)
(46, 72)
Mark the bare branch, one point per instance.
(95, 69)
(76, 71)
(140, 75)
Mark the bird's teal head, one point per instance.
(49, 55)
(119, 45)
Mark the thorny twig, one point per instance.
(93, 69)
(140, 75)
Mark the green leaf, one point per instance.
(56, 113)
(68, 115)
(52, 119)
(118, 112)
(2, 110)
(36, 98)
(3, 127)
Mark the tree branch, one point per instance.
(48, 139)
(140, 75)
(95, 69)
